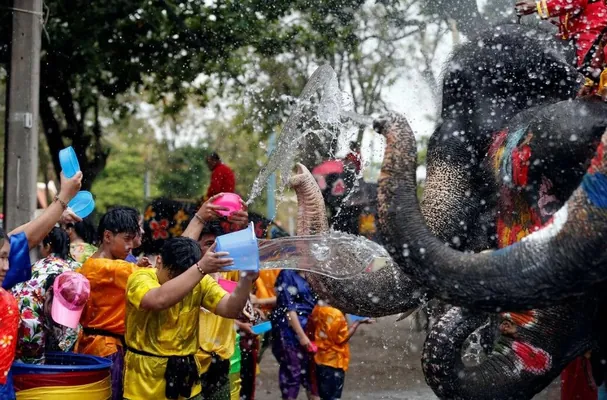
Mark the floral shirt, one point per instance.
(37, 332)
(81, 251)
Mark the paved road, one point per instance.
(385, 366)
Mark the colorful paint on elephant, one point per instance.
(510, 157)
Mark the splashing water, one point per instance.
(317, 110)
(334, 254)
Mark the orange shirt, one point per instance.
(264, 285)
(331, 329)
(105, 308)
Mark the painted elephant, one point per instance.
(516, 165)
(383, 292)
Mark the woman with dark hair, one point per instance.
(83, 239)
(31, 294)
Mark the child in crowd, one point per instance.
(83, 239)
(64, 301)
(216, 334)
(331, 336)
(108, 272)
(163, 309)
(30, 295)
(291, 346)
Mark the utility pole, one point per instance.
(21, 146)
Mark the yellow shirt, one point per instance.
(171, 332)
(216, 334)
(331, 329)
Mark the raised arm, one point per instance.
(173, 291)
(231, 305)
(208, 212)
(37, 229)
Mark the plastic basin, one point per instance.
(82, 204)
(69, 162)
(229, 200)
(57, 362)
(262, 328)
(242, 247)
(227, 285)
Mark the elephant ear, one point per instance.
(9, 324)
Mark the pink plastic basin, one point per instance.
(227, 285)
(229, 200)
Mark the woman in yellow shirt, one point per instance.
(163, 313)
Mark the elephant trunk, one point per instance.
(554, 263)
(383, 292)
(311, 212)
(519, 366)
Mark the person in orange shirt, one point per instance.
(331, 336)
(107, 271)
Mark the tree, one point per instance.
(94, 52)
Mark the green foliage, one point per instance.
(184, 173)
(122, 180)
(98, 51)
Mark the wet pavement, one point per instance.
(385, 365)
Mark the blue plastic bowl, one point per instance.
(354, 318)
(242, 246)
(69, 162)
(59, 362)
(262, 328)
(82, 204)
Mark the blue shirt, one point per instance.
(20, 267)
(293, 293)
(131, 258)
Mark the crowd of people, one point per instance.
(167, 322)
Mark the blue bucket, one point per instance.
(59, 362)
(242, 246)
(82, 204)
(262, 328)
(69, 162)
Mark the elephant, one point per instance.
(517, 164)
(378, 293)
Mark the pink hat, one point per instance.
(71, 290)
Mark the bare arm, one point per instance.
(37, 229)
(174, 290)
(208, 212)
(231, 305)
(296, 326)
(353, 329)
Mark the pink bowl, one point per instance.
(229, 200)
(227, 285)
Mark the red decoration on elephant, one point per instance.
(531, 359)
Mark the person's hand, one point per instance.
(246, 328)
(212, 262)
(250, 275)
(144, 262)
(366, 321)
(253, 299)
(70, 186)
(68, 217)
(304, 342)
(208, 211)
(240, 218)
(525, 7)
